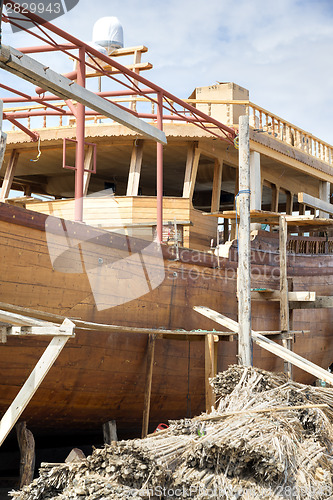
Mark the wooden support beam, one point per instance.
(33, 331)
(3, 142)
(88, 165)
(210, 370)
(284, 302)
(289, 202)
(27, 451)
(136, 62)
(321, 302)
(3, 335)
(255, 185)
(284, 306)
(275, 198)
(233, 228)
(135, 168)
(9, 175)
(324, 195)
(275, 295)
(191, 148)
(31, 70)
(36, 377)
(302, 209)
(269, 345)
(192, 163)
(13, 318)
(245, 354)
(255, 181)
(110, 432)
(315, 203)
(217, 182)
(148, 384)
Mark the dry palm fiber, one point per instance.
(224, 455)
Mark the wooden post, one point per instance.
(210, 370)
(245, 354)
(192, 163)
(136, 60)
(110, 432)
(284, 301)
(135, 168)
(233, 230)
(149, 378)
(289, 202)
(301, 209)
(255, 181)
(9, 175)
(324, 195)
(217, 182)
(27, 451)
(255, 185)
(275, 198)
(3, 141)
(88, 163)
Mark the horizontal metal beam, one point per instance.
(33, 71)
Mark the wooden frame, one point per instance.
(269, 345)
(60, 336)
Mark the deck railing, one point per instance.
(261, 120)
(269, 123)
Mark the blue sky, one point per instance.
(280, 50)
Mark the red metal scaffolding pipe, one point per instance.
(47, 48)
(80, 121)
(159, 171)
(34, 135)
(27, 98)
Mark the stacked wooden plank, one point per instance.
(269, 438)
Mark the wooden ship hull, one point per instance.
(129, 179)
(101, 376)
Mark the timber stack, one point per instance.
(269, 438)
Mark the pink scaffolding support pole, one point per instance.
(159, 170)
(80, 136)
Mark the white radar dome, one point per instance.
(108, 32)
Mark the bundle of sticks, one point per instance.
(268, 438)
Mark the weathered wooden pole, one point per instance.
(27, 451)
(245, 350)
(149, 378)
(210, 370)
(284, 300)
